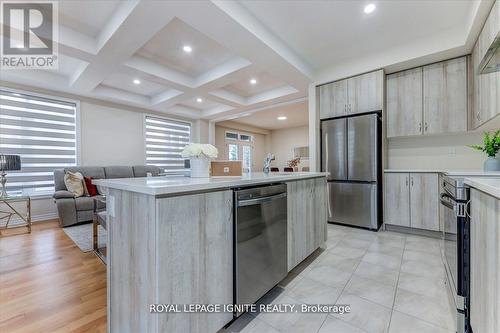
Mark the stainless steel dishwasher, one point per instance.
(261, 241)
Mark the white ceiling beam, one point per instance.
(165, 96)
(228, 97)
(220, 71)
(170, 75)
(241, 15)
(122, 38)
(271, 94)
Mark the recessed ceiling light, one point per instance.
(281, 118)
(369, 8)
(187, 48)
(137, 81)
(199, 100)
(253, 81)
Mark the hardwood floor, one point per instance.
(48, 285)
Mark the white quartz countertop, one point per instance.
(490, 186)
(179, 184)
(474, 173)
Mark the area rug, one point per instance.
(82, 236)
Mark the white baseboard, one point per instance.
(44, 217)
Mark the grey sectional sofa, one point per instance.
(73, 210)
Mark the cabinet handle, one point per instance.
(426, 127)
(406, 181)
(345, 108)
(478, 116)
(411, 181)
(420, 127)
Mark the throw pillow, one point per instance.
(91, 188)
(74, 183)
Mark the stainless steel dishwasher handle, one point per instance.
(257, 201)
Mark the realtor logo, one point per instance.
(30, 32)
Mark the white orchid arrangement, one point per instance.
(198, 150)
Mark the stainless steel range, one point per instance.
(455, 198)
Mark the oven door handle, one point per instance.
(446, 195)
(446, 203)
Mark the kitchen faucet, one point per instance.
(267, 163)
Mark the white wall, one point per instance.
(450, 152)
(283, 142)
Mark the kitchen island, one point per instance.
(485, 254)
(170, 241)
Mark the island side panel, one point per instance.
(195, 259)
(131, 256)
(320, 202)
(485, 263)
(307, 218)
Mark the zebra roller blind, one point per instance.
(165, 140)
(43, 132)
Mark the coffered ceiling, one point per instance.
(186, 58)
(220, 59)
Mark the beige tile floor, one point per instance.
(393, 282)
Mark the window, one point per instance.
(165, 140)
(232, 152)
(247, 156)
(240, 147)
(43, 132)
(246, 138)
(231, 136)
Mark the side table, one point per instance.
(8, 210)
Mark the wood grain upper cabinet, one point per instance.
(445, 96)
(333, 99)
(404, 103)
(486, 87)
(424, 201)
(365, 92)
(397, 199)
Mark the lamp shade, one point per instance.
(10, 162)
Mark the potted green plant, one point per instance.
(491, 148)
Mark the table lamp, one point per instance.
(8, 163)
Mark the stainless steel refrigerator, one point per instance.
(351, 153)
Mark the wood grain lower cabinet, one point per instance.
(485, 263)
(196, 263)
(307, 218)
(424, 201)
(404, 103)
(176, 250)
(397, 199)
(412, 200)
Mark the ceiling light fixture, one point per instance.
(137, 81)
(187, 48)
(199, 100)
(369, 8)
(253, 81)
(281, 118)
